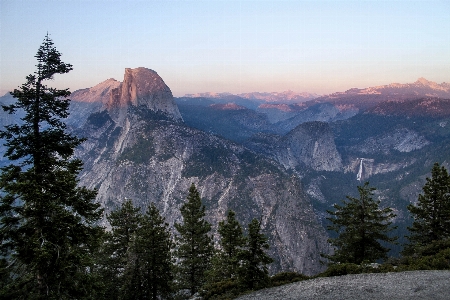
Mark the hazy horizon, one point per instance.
(231, 46)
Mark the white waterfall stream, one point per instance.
(359, 175)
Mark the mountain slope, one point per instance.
(231, 121)
(149, 155)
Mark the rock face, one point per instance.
(394, 285)
(400, 139)
(156, 161)
(138, 148)
(310, 144)
(142, 87)
(87, 101)
(99, 93)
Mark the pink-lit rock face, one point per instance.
(97, 93)
(143, 87)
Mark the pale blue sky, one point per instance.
(231, 46)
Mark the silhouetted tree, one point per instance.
(124, 222)
(431, 213)
(148, 274)
(48, 225)
(195, 246)
(254, 260)
(226, 260)
(361, 226)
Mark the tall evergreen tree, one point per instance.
(253, 271)
(124, 222)
(432, 212)
(195, 246)
(361, 225)
(48, 225)
(227, 261)
(150, 265)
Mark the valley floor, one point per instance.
(401, 285)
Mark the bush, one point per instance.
(434, 248)
(227, 289)
(438, 261)
(349, 268)
(342, 269)
(286, 277)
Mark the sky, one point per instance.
(231, 46)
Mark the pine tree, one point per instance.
(432, 212)
(48, 225)
(150, 265)
(124, 222)
(226, 261)
(361, 226)
(253, 271)
(195, 246)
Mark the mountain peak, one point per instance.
(144, 88)
(138, 85)
(424, 81)
(97, 93)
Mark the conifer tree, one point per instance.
(253, 271)
(361, 225)
(432, 212)
(150, 265)
(124, 222)
(48, 225)
(226, 261)
(195, 246)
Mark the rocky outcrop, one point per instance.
(394, 285)
(141, 87)
(310, 144)
(399, 139)
(98, 93)
(139, 149)
(150, 160)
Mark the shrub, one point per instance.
(227, 289)
(342, 269)
(286, 277)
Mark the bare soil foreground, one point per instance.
(386, 286)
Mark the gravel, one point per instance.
(386, 286)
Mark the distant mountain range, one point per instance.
(283, 97)
(283, 157)
(421, 88)
(389, 135)
(280, 107)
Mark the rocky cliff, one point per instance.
(98, 93)
(139, 148)
(309, 146)
(141, 87)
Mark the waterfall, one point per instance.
(359, 175)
